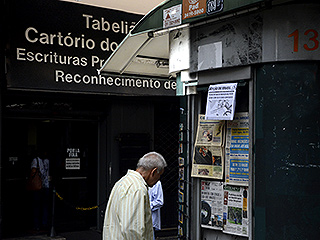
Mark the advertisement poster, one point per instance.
(208, 155)
(221, 101)
(235, 210)
(237, 150)
(212, 204)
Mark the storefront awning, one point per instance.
(145, 50)
(141, 54)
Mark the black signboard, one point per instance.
(58, 46)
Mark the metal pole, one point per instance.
(52, 231)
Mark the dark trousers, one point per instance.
(41, 208)
(155, 231)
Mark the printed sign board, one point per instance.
(59, 46)
(172, 16)
(221, 101)
(193, 8)
(73, 159)
(73, 163)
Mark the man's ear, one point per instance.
(153, 171)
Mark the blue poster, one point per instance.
(237, 150)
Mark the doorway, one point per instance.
(71, 147)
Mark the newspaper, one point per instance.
(210, 132)
(221, 101)
(237, 150)
(208, 162)
(235, 210)
(224, 207)
(208, 154)
(212, 204)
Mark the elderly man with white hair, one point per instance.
(128, 214)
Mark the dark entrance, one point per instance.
(90, 127)
(77, 185)
(65, 141)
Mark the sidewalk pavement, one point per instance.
(40, 237)
(80, 235)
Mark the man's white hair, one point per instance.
(152, 160)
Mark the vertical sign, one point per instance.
(73, 159)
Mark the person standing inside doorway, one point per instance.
(128, 213)
(156, 202)
(41, 197)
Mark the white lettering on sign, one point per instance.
(61, 76)
(69, 52)
(103, 25)
(68, 40)
(50, 57)
(73, 152)
(73, 163)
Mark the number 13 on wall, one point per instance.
(310, 45)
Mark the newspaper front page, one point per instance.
(212, 204)
(224, 207)
(208, 155)
(235, 210)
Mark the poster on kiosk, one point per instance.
(237, 150)
(221, 101)
(224, 207)
(208, 155)
(223, 141)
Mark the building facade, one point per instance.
(91, 127)
(263, 183)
